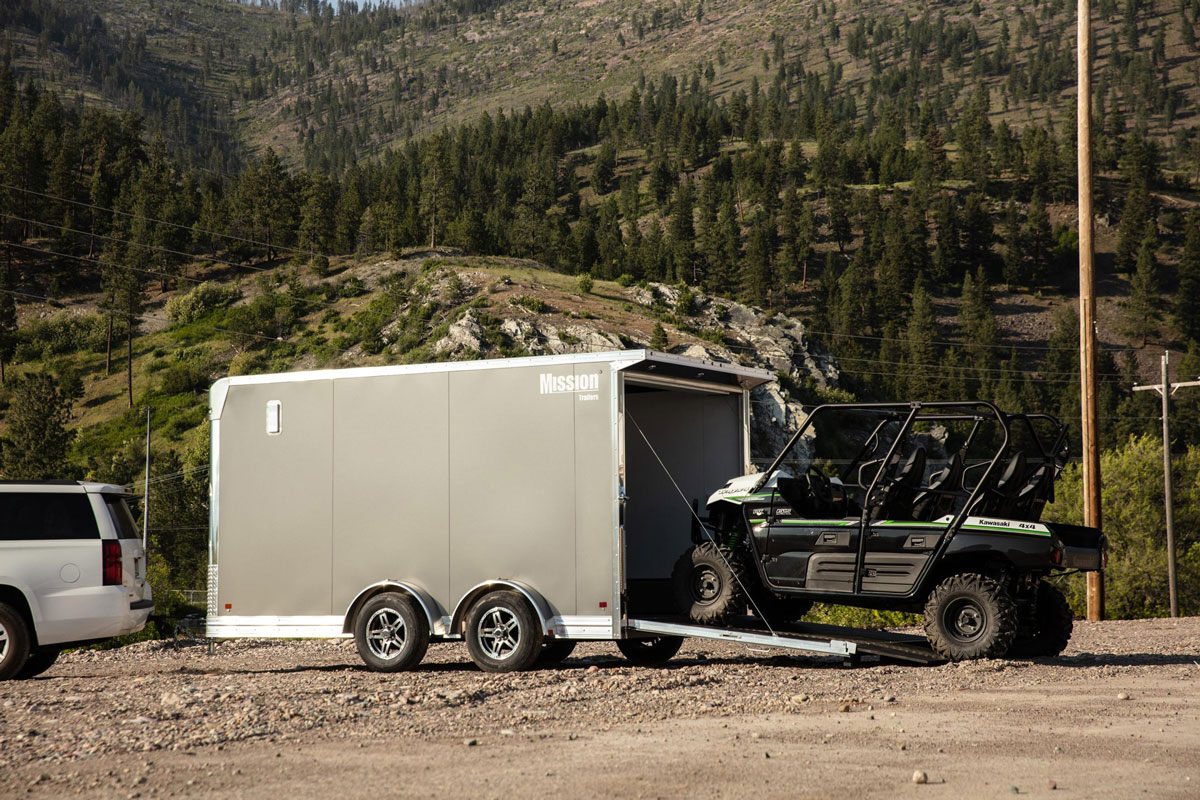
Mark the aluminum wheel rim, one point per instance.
(386, 633)
(3, 642)
(498, 633)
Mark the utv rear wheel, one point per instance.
(503, 633)
(390, 633)
(650, 651)
(970, 616)
(14, 642)
(39, 661)
(1047, 630)
(706, 585)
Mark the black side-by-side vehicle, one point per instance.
(924, 507)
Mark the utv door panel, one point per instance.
(892, 573)
(831, 572)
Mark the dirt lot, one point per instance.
(1117, 716)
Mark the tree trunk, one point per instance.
(129, 353)
(108, 346)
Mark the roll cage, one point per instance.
(1015, 491)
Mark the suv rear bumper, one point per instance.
(87, 614)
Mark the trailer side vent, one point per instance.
(274, 418)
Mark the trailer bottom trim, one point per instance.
(266, 627)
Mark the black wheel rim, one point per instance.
(706, 585)
(964, 620)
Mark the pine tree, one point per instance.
(1141, 309)
(1187, 298)
(920, 350)
(658, 339)
(38, 438)
(682, 231)
(1136, 215)
(977, 233)
(1014, 246)
(1039, 241)
(604, 168)
(979, 329)
(8, 318)
(758, 275)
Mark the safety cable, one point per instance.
(692, 511)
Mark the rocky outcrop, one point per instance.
(706, 327)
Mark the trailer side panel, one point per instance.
(276, 500)
(391, 478)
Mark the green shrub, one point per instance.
(585, 284)
(534, 304)
(200, 301)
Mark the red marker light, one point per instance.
(229, 606)
(604, 604)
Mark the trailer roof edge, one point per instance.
(746, 377)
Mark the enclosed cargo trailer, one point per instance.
(520, 504)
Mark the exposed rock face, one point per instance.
(747, 336)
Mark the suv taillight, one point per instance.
(111, 562)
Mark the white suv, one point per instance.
(72, 571)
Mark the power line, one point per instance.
(102, 263)
(229, 236)
(962, 345)
(159, 248)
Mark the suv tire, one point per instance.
(39, 661)
(14, 642)
(390, 633)
(970, 616)
(706, 584)
(503, 633)
(1046, 632)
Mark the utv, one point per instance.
(918, 507)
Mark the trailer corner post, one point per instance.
(1087, 302)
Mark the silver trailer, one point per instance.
(520, 504)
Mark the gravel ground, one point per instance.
(1116, 715)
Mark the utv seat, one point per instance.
(1033, 495)
(943, 493)
(997, 500)
(808, 495)
(901, 493)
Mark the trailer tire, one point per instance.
(556, 651)
(1048, 629)
(390, 633)
(970, 616)
(503, 633)
(14, 642)
(650, 651)
(706, 583)
(39, 661)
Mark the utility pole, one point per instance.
(1166, 389)
(146, 493)
(1087, 304)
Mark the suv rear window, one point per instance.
(46, 515)
(122, 518)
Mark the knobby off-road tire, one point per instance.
(970, 616)
(706, 584)
(1047, 630)
(556, 651)
(503, 633)
(390, 633)
(650, 651)
(14, 642)
(39, 661)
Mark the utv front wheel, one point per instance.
(970, 616)
(706, 586)
(1047, 630)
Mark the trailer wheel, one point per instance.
(556, 651)
(390, 633)
(651, 650)
(706, 586)
(14, 642)
(503, 633)
(1048, 630)
(970, 616)
(39, 661)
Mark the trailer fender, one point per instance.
(423, 599)
(540, 606)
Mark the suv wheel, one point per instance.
(390, 634)
(39, 661)
(503, 633)
(1047, 630)
(706, 586)
(14, 642)
(970, 616)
